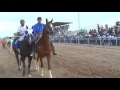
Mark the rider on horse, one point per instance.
(37, 30)
(20, 34)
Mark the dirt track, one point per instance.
(71, 62)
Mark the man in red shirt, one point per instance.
(4, 43)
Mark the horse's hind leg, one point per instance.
(23, 60)
(20, 63)
(29, 65)
(49, 66)
(41, 67)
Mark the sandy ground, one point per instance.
(73, 61)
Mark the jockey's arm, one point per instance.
(18, 34)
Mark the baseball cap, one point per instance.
(39, 18)
(22, 20)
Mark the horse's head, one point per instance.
(48, 27)
(29, 36)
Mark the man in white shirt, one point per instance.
(21, 33)
(21, 30)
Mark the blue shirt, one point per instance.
(38, 28)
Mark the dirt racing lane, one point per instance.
(71, 62)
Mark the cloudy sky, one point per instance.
(9, 21)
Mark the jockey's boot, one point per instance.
(54, 53)
(32, 54)
(53, 49)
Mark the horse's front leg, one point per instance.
(17, 57)
(49, 66)
(20, 63)
(42, 74)
(29, 65)
(37, 64)
(23, 60)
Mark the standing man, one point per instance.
(37, 29)
(9, 43)
(4, 43)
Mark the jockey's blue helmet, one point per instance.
(39, 18)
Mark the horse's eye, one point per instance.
(32, 32)
(26, 32)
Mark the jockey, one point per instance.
(21, 33)
(37, 29)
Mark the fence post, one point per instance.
(88, 41)
(116, 41)
(100, 41)
(59, 40)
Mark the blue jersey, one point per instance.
(38, 28)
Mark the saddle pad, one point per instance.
(14, 42)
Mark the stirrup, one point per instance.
(54, 53)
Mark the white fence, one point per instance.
(89, 41)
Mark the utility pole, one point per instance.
(78, 28)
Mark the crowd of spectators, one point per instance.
(103, 35)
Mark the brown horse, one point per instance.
(43, 47)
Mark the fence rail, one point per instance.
(89, 41)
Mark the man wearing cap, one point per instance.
(20, 33)
(37, 29)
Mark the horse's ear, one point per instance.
(26, 26)
(32, 27)
(51, 20)
(46, 20)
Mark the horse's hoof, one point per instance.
(42, 75)
(29, 76)
(23, 74)
(50, 76)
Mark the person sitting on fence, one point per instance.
(106, 27)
